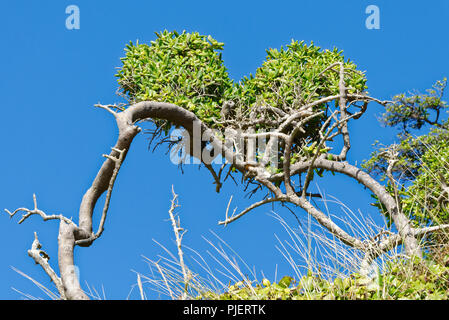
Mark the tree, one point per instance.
(289, 120)
(419, 176)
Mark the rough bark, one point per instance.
(66, 245)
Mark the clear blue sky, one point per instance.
(52, 137)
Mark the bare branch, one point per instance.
(108, 108)
(29, 212)
(215, 176)
(253, 206)
(179, 234)
(41, 257)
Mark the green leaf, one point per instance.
(285, 282)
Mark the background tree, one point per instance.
(421, 160)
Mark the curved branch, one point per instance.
(326, 222)
(70, 234)
(127, 132)
(402, 223)
(251, 207)
(118, 162)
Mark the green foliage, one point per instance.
(401, 279)
(187, 69)
(412, 112)
(421, 168)
(425, 200)
(410, 151)
(292, 77)
(299, 67)
(406, 113)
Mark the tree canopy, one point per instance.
(187, 69)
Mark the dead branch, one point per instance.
(29, 212)
(179, 234)
(41, 257)
(251, 207)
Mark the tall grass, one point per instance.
(308, 249)
(311, 252)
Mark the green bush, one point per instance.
(187, 69)
(425, 200)
(184, 69)
(401, 279)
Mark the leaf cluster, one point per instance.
(414, 111)
(402, 279)
(426, 199)
(410, 113)
(187, 69)
(294, 76)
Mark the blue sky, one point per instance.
(52, 137)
